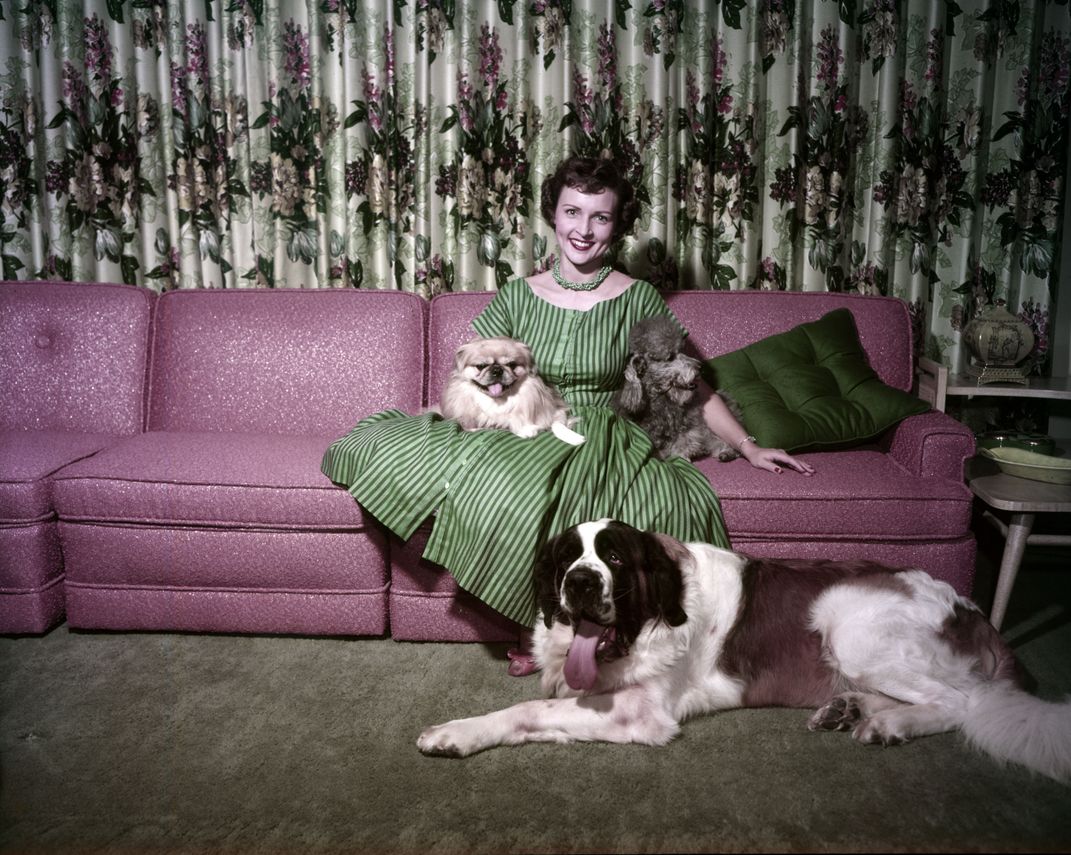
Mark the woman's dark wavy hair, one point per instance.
(591, 175)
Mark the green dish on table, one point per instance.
(1030, 464)
(1038, 442)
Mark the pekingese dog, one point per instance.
(494, 384)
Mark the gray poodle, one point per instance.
(660, 394)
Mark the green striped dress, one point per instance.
(495, 497)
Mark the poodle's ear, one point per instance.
(631, 394)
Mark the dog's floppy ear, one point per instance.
(631, 395)
(525, 354)
(664, 557)
(545, 576)
(461, 354)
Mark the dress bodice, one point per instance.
(581, 352)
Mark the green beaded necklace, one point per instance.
(600, 277)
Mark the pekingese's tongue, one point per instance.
(495, 390)
(581, 668)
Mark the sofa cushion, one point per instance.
(28, 458)
(811, 386)
(284, 361)
(218, 532)
(209, 479)
(449, 327)
(860, 494)
(73, 356)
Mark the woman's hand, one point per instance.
(773, 459)
(720, 420)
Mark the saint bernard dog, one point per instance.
(639, 632)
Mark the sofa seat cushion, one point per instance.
(218, 532)
(858, 494)
(208, 479)
(118, 557)
(28, 460)
(225, 579)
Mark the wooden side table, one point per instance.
(1024, 499)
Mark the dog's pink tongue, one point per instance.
(581, 669)
(495, 389)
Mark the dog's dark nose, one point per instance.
(583, 590)
(495, 371)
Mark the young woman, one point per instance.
(495, 497)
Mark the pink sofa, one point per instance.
(208, 512)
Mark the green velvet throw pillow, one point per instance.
(810, 387)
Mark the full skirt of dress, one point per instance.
(495, 498)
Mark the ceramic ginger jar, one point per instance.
(998, 339)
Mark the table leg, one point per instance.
(1018, 533)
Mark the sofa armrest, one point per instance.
(932, 445)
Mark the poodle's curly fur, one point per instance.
(659, 394)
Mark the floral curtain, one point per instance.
(916, 148)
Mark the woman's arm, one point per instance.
(720, 420)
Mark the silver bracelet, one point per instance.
(748, 438)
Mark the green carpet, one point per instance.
(131, 743)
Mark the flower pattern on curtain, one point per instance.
(902, 147)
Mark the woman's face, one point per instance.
(584, 226)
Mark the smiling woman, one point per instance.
(591, 207)
(494, 497)
(584, 227)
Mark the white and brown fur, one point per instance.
(659, 393)
(889, 655)
(526, 404)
